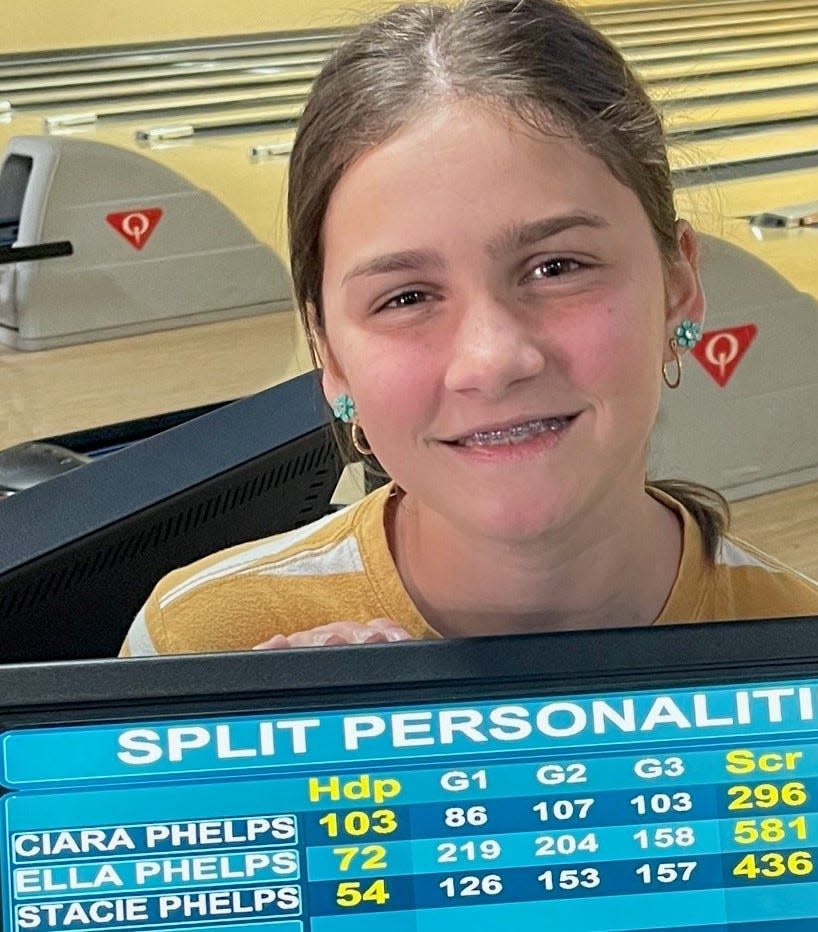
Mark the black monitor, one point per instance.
(617, 781)
(79, 554)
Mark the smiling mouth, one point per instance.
(518, 433)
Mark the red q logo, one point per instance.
(136, 226)
(720, 351)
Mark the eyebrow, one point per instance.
(520, 236)
(406, 261)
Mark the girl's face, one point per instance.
(496, 305)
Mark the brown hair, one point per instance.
(538, 59)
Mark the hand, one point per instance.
(377, 631)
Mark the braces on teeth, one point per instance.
(515, 434)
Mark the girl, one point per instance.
(487, 259)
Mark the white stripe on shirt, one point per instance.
(236, 562)
(730, 554)
(139, 641)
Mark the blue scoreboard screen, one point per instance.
(634, 780)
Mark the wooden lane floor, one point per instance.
(728, 210)
(750, 149)
(755, 61)
(750, 114)
(708, 76)
(193, 72)
(604, 16)
(271, 108)
(790, 65)
(217, 65)
(33, 72)
(712, 27)
(689, 106)
(696, 49)
(93, 384)
(695, 114)
(178, 54)
(688, 117)
(783, 524)
(96, 94)
(752, 81)
(737, 35)
(208, 80)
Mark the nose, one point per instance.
(493, 348)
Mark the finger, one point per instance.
(313, 637)
(331, 640)
(363, 634)
(337, 633)
(375, 637)
(390, 629)
(276, 642)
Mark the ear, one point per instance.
(684, 294)
(332, 380)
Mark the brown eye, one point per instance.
(406, 299)
(552, 268)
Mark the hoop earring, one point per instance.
(360, 445)
(677, 359)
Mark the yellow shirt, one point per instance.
(341, 568)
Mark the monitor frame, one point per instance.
(80, 553)
(412, 671)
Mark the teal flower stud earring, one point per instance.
(688, 334)
(344, 408)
